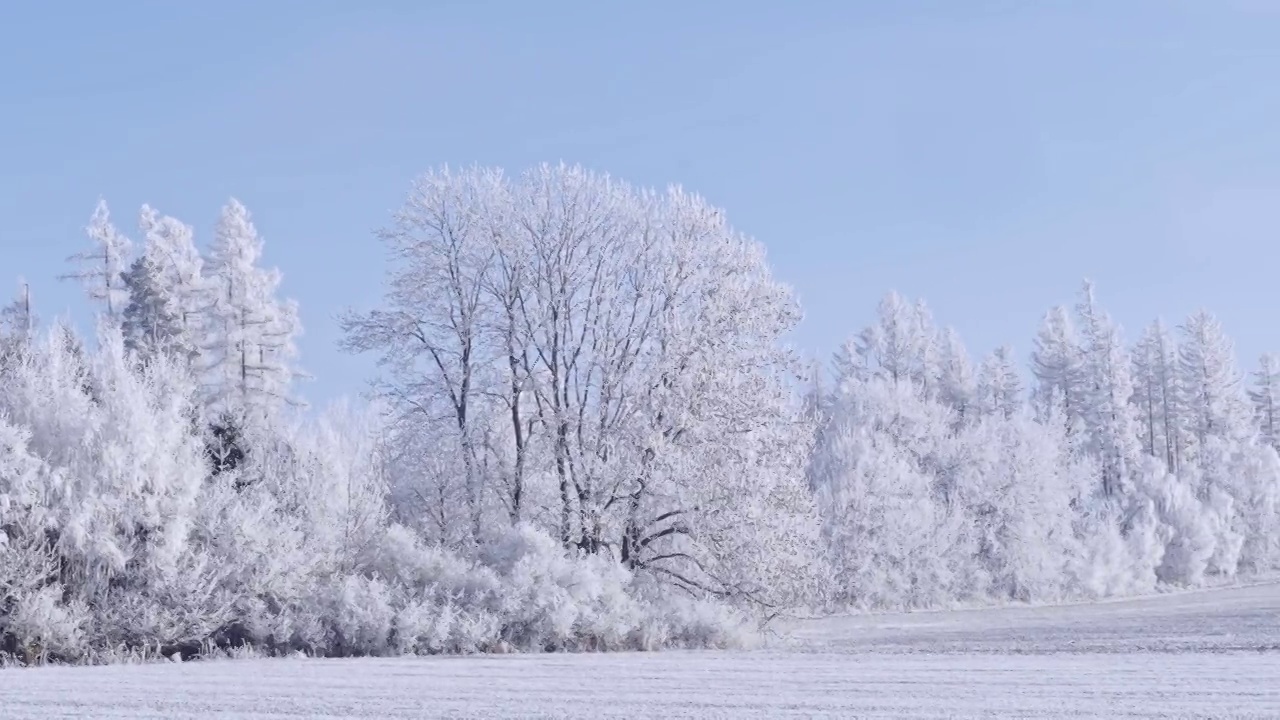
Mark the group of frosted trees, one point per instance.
(1114, 469)
(586, 432)
(116, 531)
(218, 315)
(584, 436)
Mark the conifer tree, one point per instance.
(249, 342)
(102, 268)
(1265, 395)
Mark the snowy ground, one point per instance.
(1212, 654)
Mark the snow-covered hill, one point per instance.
(1208, 654)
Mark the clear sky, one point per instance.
(984, 155)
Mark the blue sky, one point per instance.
(984, 155)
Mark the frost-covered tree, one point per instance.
(1019, 489)
(606, 362)
(1104, 392)
(897, 342)
(437, 318)
(17, 323)
(892, 537)
(1057, 363)
(957, 384)
(1213, 394)
(166, 290)
(1227, 465)
(151, 321)
(1265, 395)
(1156, 396)
(999, 384)
(101, 269)
(927, 370)
(249, 332)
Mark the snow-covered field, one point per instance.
(1209, 654)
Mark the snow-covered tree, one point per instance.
(927, 370)
(893, 540)
(999, 384)
(1231, 470)
(249, 332)
(622, 348)
(101, 268)
(166, 290)
(957, 385)
(1104, 392)
(1265, 395)
(1018, 487)
(1156, 396)
(17, 323)
(898, 341)
(432, 330)
(1213, 395)
(1056, 362)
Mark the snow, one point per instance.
(1244, 619)
(1202, 654)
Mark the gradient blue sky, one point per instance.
(984, 155)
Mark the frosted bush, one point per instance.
(688, 622)
(362, 616)
(41, 626)
(555, 600)
(432, 571)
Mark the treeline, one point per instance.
(1114, 470)
(585, 435)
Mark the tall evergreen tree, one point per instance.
(1225, 464)
(102, 268)
(17, 323)
(1105, 393)
(1156, 395)
(893, 345)
(166, 290)
(1056, 362)
(1265, 395)
(250, 333)
(925, 370)
(957, 386)
(1212, 388)
(999, 388)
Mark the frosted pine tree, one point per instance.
(166, 290)
(1224, 462)
(999, 386)
(1212, 387)
(102, 268)
(847, 363)
(1265, 395)
(1105, 391)
(894, 344)
(926, 370)
(249, 332)
(957, 386)
(17, 322)
(1156, 396)
(1057, 363)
